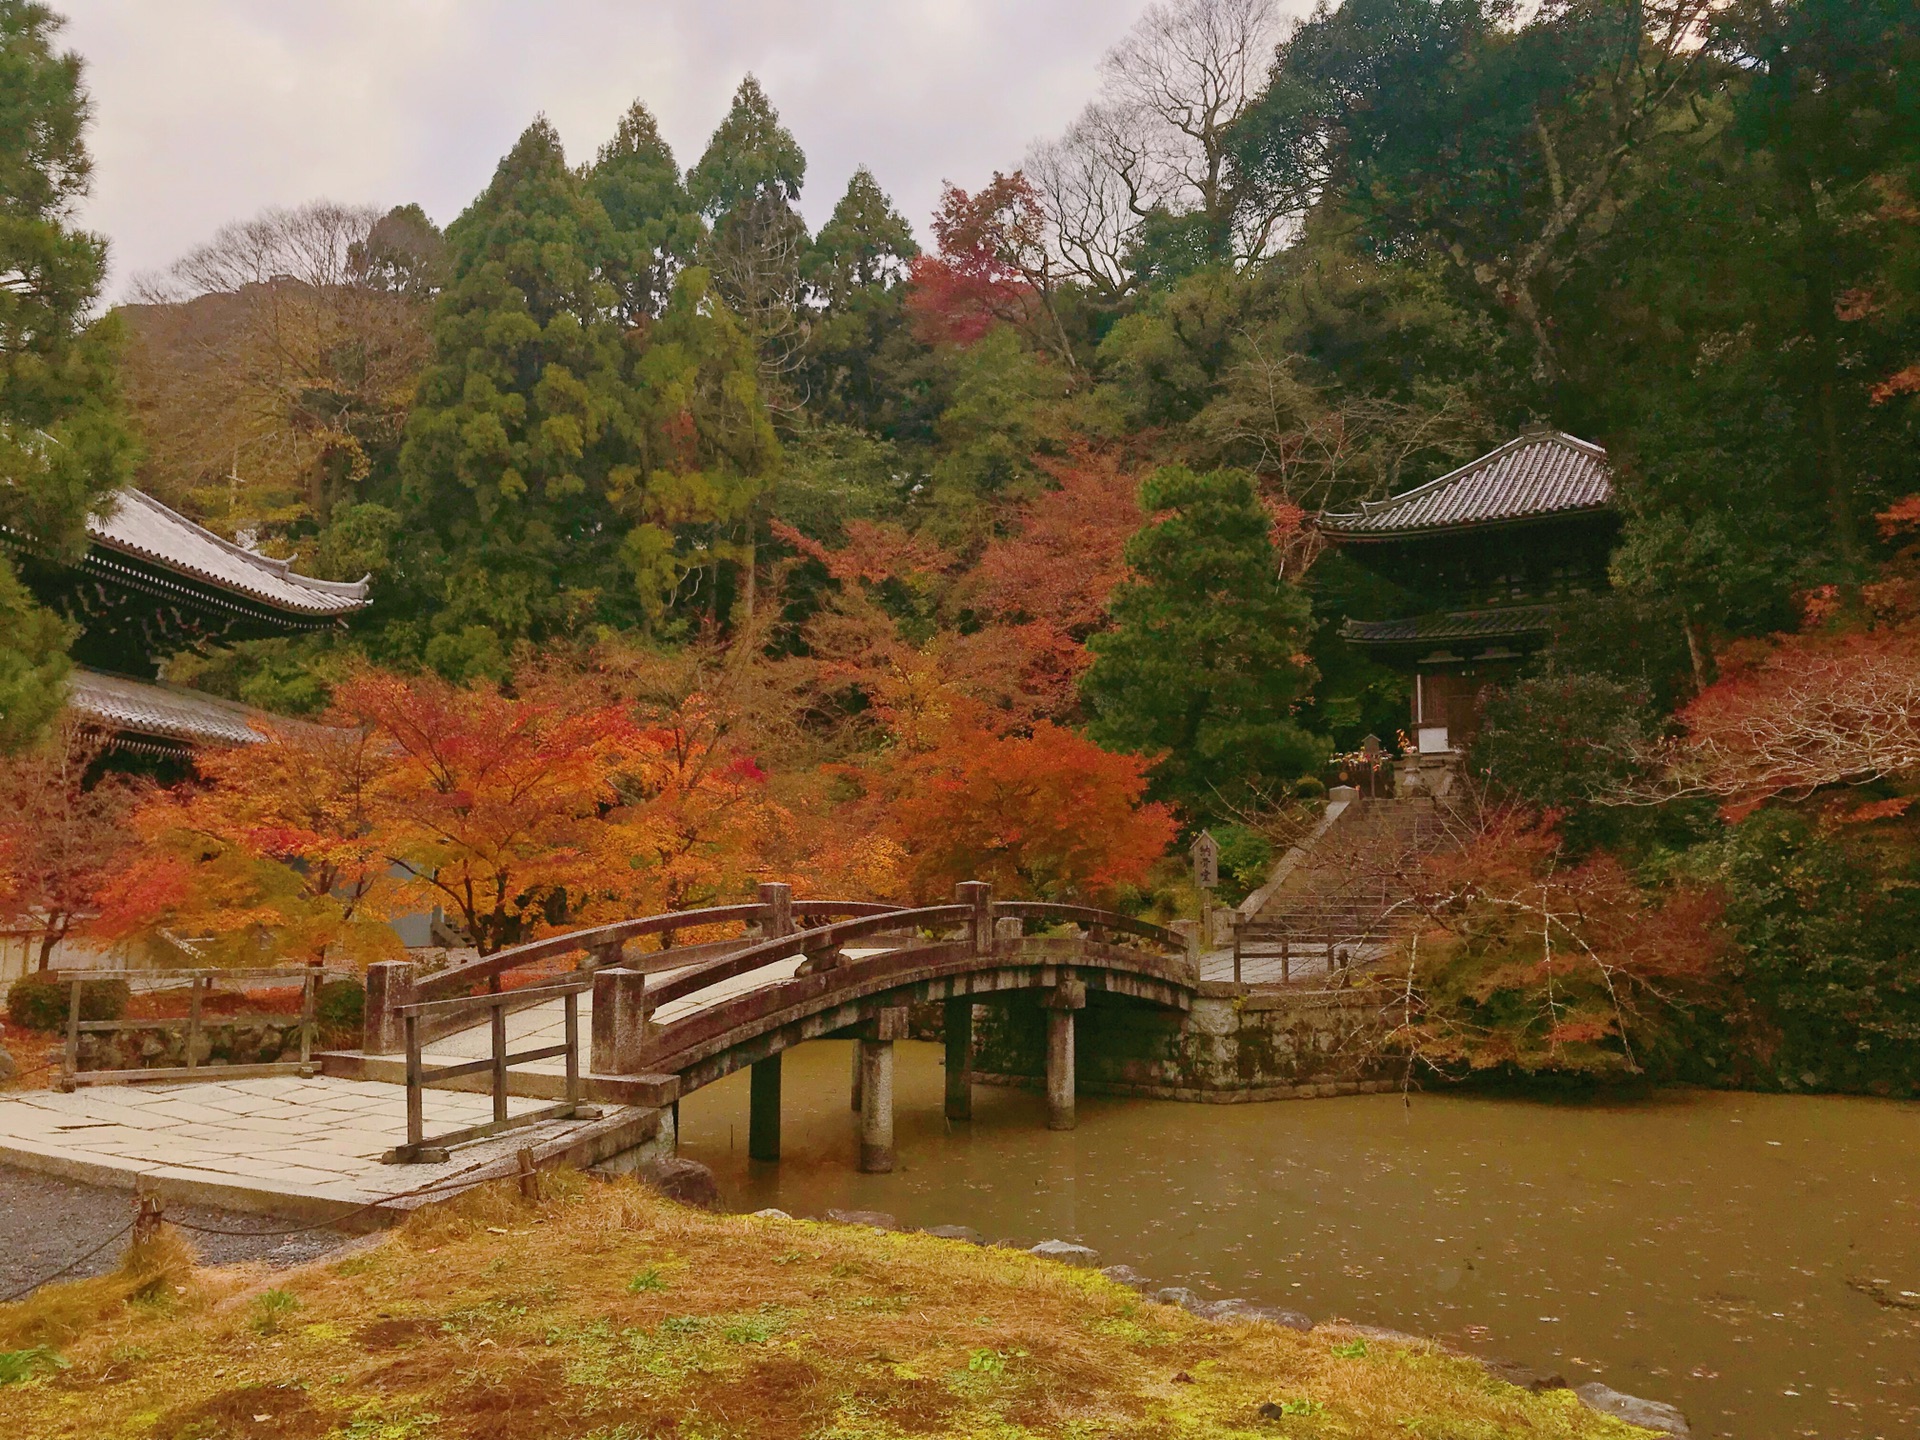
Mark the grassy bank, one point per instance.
(605, 1312)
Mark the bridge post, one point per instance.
(959, 1028)
(876, 1089)
(978, 895)
(1065, 998)
(763, 1110)
(389, 986)
(620, 1021)
(776, 901)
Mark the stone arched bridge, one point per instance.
(665, 1022)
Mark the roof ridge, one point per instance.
(1518, 477)
(282, 569)
(133, 523)
(1530, 437)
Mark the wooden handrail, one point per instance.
(533, 993)
(1087, 915)
(823, 939)
(419, 1145)
(283, 972)
(459, 978)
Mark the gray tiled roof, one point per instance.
(1511, 622)
(1545, 473)
(139, 525)
(166, 712)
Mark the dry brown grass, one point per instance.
(606, 1313)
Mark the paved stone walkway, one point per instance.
(263, 1144)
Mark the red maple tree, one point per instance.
(61, 838)
(993, 267)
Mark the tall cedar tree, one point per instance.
(747, 183)
(63, 446)
(854, 271)
(656, 227)
(524, 423)
(1203, 667)
(568, 472)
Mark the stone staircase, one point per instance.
(1340, 899)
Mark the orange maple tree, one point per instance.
(1805, 712)
(274, 852)
(994, 267)
(1526, 962)
(1065, 550)
(1048, 815)
(494, 806)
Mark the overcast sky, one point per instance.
(212, 110)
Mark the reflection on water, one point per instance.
(1696, 1248)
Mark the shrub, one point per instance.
(1562, 744)
(341, 1005)
(1824, 917)
(1246, 856)
(39, 1002)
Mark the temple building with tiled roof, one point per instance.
(1495, 549)
(152, 584)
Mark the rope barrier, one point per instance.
(444, 1182)
(73, 1264)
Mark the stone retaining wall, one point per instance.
(1234, 1045)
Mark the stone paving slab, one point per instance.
(308, 1147)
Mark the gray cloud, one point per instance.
(211, 110)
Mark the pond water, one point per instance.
(1710, 1250)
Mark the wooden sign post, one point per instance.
(1206, 878)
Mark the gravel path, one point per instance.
(45, 1222)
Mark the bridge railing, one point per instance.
(690, 969)
(975, 910)
(604, 942)
(1093, 919)
(422, 1147)
(821, 941)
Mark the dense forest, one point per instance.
(990, 552)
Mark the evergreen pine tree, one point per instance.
(1204, 665)
(656, 227)
(865, 245)
(64, 447)
(563, 471)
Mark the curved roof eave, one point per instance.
(140, 526)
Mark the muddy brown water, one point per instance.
(1714, 1251)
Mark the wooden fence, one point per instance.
(200, 984)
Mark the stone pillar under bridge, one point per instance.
(763, 1110)
(876, 1088)
(959, 1041)
(1062, 1002)
(1236, 1043)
